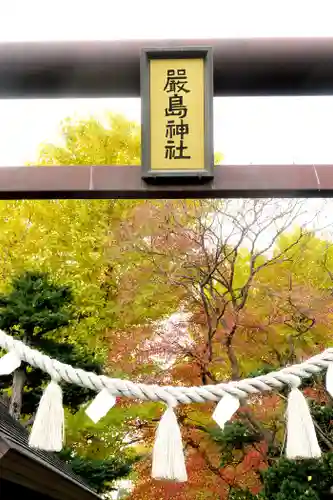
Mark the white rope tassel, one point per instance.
(9, 363)
(301, 435)
(48, 429)
(225, 409)
(329, 379)
(168, 453)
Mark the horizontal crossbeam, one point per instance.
(125, 182)
(295, 66)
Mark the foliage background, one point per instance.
(182, 292)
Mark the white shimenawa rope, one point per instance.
(168, 455)
(290, 376)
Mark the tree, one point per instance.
(231, 265)
(292, 479)
(84, 258)
(111, 141)
(33, 311)
(71, 240)
(100, 474)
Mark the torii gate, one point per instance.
(112, 69)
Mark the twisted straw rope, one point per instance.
(290, 376)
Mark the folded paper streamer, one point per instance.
(301, 435)
(9, 363)
(329, 379)
(225, 409)
(168, 453)
(100, 406)
(48, 429)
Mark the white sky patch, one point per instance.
(247, 130)
(38, 20)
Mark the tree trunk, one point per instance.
(17, 391)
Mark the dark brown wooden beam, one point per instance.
(4, 447)
(301, 66)
(125, 182)
(23, 469)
